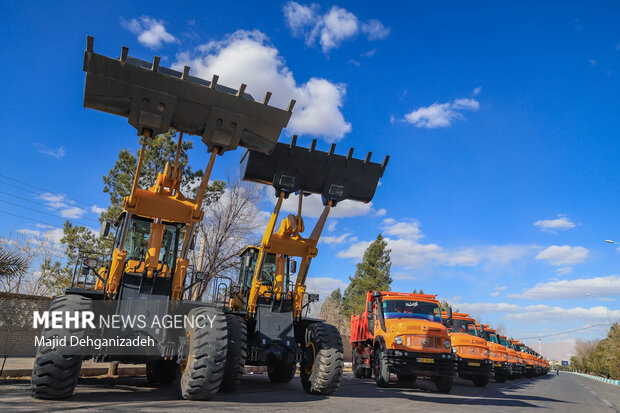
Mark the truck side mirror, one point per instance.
(449, 317)
(369, 307)
(105, 229)
(370, 316)
(292, 267)
(192, 243)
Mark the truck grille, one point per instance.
(423, 341)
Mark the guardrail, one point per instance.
(604, 380)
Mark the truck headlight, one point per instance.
(487, 352)
(455, 350)
(446, 343)
(398, 340)
(506, 356)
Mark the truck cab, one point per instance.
(502, 367)
(472, 354)
(528, 359)
(402, 334)
(514, 358)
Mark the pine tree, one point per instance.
(373, 273)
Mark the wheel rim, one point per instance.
(310, 356)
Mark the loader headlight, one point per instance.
(446, 343)
(398, 340)
(487, 352)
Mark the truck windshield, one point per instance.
(464, 326)
(504, 342)
(411, 309)
(490, 336)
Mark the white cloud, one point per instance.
(477, 90)
(403, 277)
(151, 32)
(375, 30)
(498, 291)
(97, 210)
(248, 57)
(65, 206)
(324, 286)
(593, 62)
(560, 223)
(299, 18)
(332, 225)
(335, 239)
(406, 229)
(567, 289)
(313, 207)
(381, 212)
(540, 312)
(564, 255)
(331, 28)
(440, 115)
(338, 25)
(403, 238)
(57, 153)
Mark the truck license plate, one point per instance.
(425, 360)
(473, 364)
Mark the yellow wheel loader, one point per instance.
(266, 302)
(134, 309)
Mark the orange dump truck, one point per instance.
(402, 334)
(514, 357)
(529, 359)
(473, 361)
(502, 367)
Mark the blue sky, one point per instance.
(501, 120)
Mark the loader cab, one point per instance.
(141, 240)
(275, 271)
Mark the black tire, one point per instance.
(480, 381)
(443, 384)
(500, 378)
(161, 371)
(281, 373)
(322, 360)
(358, 371)
(367, 373)
(201, 374)
(56, 370)
(236, 353)
(380, 367)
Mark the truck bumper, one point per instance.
(421, 364)
(518, 370)
(470, 368)
(502, 368)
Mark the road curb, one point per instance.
(604, 380)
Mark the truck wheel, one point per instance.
(322, 359)
(281, 373)
(381, 368)
(55, 374)
(480, 381)
(443, 384)
(358, 370)
(500, 379)
(235, 354)
(161, 371)
(201, 374)
(367, 373)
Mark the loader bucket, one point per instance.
(291, 168)
(157, 98)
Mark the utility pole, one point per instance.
(539, 345)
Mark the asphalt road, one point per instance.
(564, 393)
